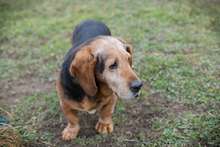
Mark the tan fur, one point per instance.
(120, 39)
(129, 49)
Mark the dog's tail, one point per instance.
(72, 39)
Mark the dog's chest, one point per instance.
(90, 112)
(91, 106)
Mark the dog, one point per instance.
(96, 70)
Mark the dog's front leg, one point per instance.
(105, 123)
(72, 129)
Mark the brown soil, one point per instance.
(13, 90)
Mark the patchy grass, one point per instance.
(176, 54)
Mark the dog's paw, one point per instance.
(104, 128)
(70, 132)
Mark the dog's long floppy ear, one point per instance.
(128, 48)
(82, 68)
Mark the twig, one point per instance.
(8, 114)
(211, 114)
(46, 143)
(160, 128)
(129, 140)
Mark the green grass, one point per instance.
(176, 54)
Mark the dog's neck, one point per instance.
(103, 92)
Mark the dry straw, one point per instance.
(9, 137)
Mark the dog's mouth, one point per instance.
(136, 95)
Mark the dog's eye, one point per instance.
(113, 66)
(128, 59)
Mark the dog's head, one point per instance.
(108, 60)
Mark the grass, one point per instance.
(176, 54)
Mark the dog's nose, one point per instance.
(135, 86)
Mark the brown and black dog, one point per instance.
(95, 71)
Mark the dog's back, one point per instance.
(87, 30)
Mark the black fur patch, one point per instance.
(100, 65)
(71, 87)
